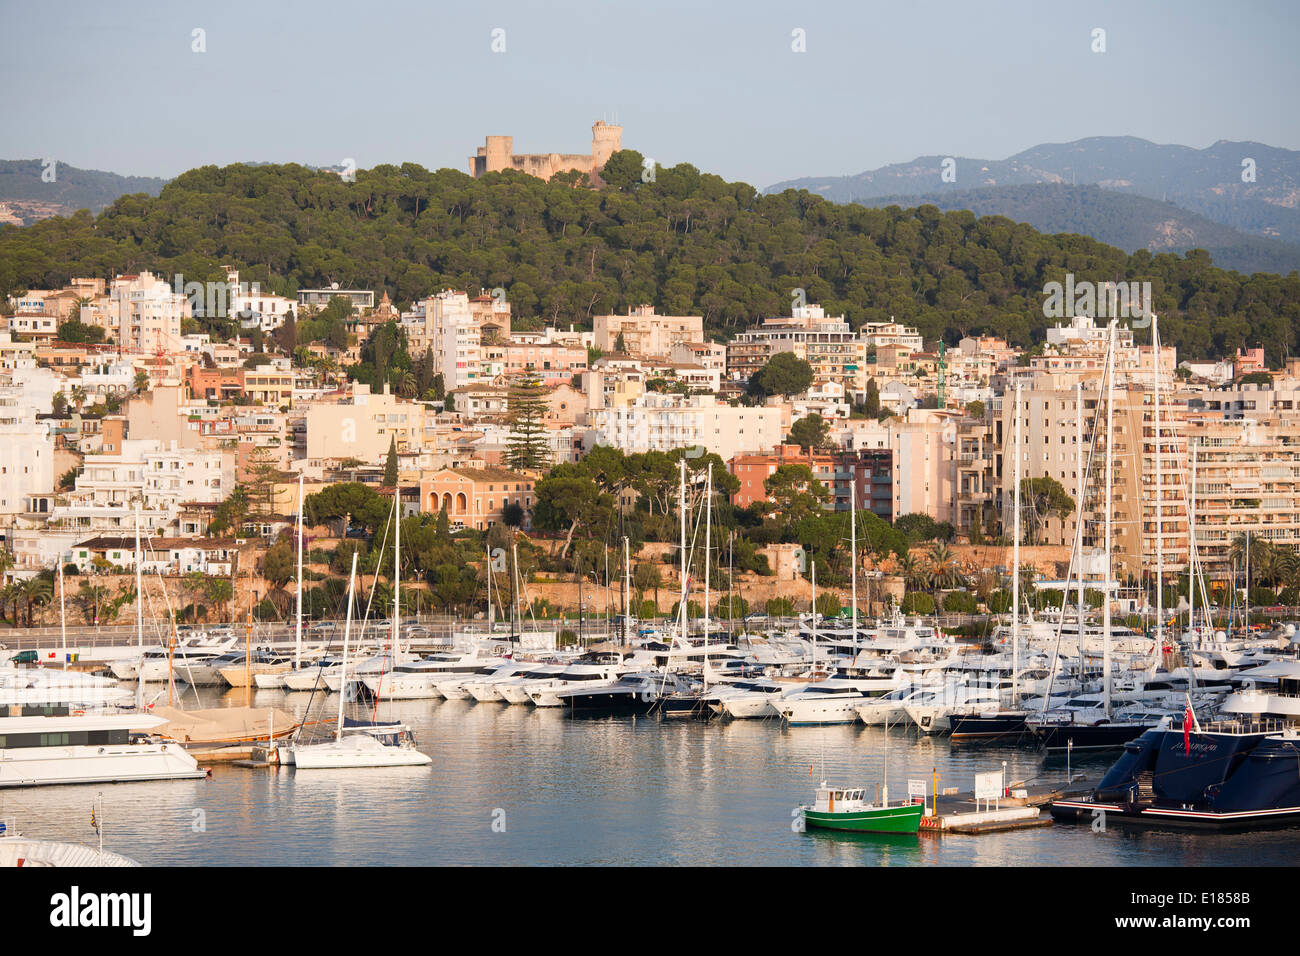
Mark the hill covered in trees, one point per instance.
(688, 242)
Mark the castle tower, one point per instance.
(606, 140)
(499, 151)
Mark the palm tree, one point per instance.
(92, 597)
(942, 570)
(913, 573)
(407, 386)
(36, 591)
(7, 597)
(78, 396)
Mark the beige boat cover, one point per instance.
(224, 725)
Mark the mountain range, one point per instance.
(1121, 190)
(24, 189)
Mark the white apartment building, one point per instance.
(161, 477)
(255, 308)
(876, 334)
(140, 312)
(455, 326)
(662, 422)
(26, 454)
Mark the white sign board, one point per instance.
(916, 788)
(988, 786)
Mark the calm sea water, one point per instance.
(590, 792)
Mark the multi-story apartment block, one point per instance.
(829, 345)
(646, 334)
(550, 363)
(1247, 481)
(362, 426)
(663, 422)
(319, 298)
(26, 455)
(863, 479)
(141, 313)
(455, 328)
(877, 334)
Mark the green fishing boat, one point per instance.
(846, 809)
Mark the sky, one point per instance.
(122, 86)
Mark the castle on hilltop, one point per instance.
(498, 155)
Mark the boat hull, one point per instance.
(987, 726)
(350, 752)
(1080, 811)
(905, 819)
(1057, 738)
(123, 763)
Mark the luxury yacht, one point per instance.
(49, 745)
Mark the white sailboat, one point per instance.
(358, 744)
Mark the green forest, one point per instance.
(688, 242)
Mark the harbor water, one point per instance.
(525, 785)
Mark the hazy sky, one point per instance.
(117, 86)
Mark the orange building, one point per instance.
(866, 474)
(476, 497)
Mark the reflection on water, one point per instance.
(619, 791)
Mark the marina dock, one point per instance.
(959, 812)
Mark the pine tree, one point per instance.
(390, 466)
(527, 446)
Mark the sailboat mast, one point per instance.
(853, 556)
(814, 616)
(1080, 481)
(139, 585)
(297, 635)
(516, 614)
(708, 528)
(397, 567)
(1191, 543)
(1160, 496)
(627, 585)
(1110, 477)
(1246, 603)
(347, 633)
(1015, 563)
(681, 508)
(63, 621)
(139, 607)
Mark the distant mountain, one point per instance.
(29, 197)
(1127, 221)
(1205, 182)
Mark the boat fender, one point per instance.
(207, 773)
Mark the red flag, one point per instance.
(1188, 717)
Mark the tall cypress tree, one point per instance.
(390, 466)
